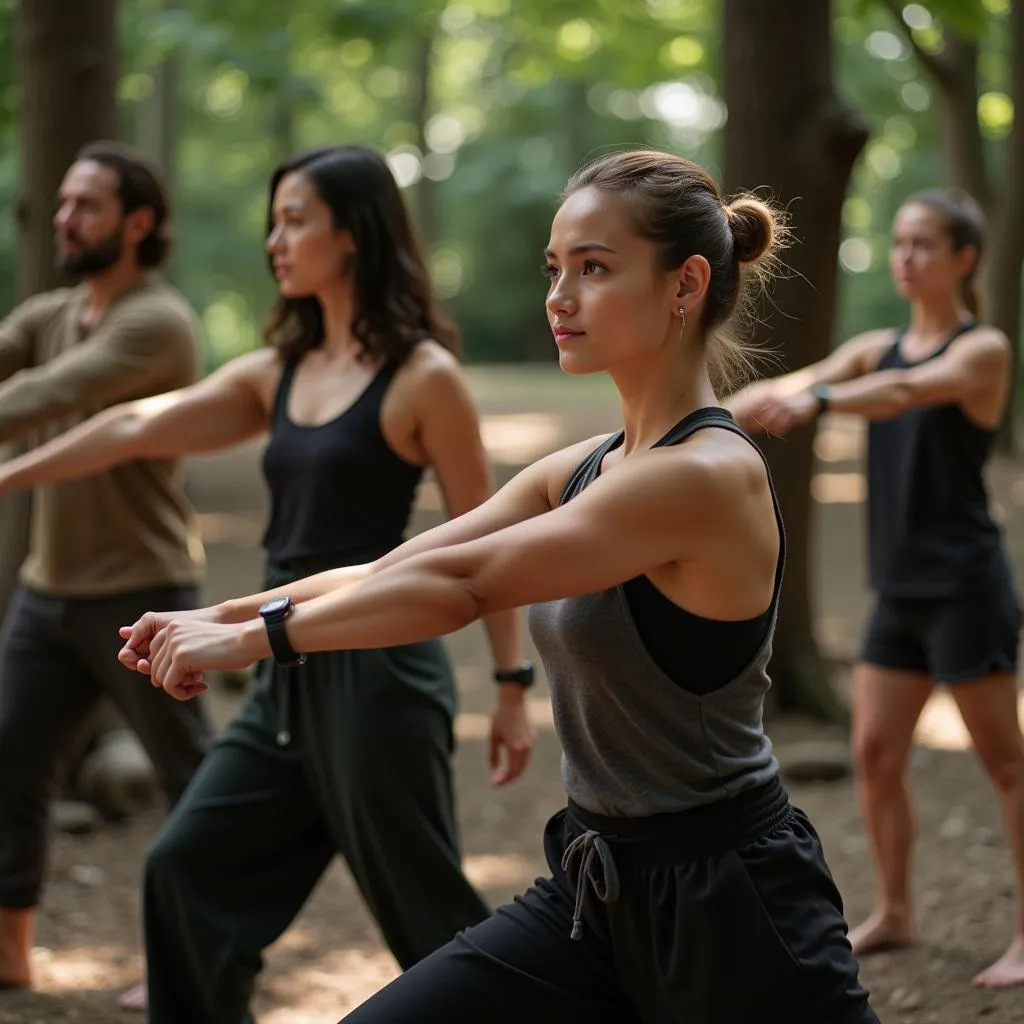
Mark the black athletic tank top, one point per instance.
(930, 532)
(699, 654)
(339, 495)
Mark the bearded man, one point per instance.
(102, 550)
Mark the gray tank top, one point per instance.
(634, 741)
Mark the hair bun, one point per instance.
(753, 227)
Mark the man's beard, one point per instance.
(95, 259)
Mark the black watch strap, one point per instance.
(521, 676)
(274, 614)
(823, 393)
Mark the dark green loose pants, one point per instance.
(348, 754)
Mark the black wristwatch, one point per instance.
(522, 676)
(273, 613)
(823, 393)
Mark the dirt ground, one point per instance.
(88, 941)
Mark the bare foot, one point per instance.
(881, 932)
(1007, 971)
(134, 1000)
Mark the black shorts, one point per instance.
(951, 640)
(722, 915)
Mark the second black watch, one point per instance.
(274, 612)
(823, 393)
(521, 676)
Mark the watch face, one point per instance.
(275, 606)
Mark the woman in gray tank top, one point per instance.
(679, 866)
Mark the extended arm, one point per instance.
(522, 498)
(851, 360)
(965, 370)
(662, 508)
(18, 330)
(136, 352)
(220, 411)
(973, 366)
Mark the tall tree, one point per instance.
(994, 183)
(67, 70)
(66, 57)
(159, 130)
(788, 130)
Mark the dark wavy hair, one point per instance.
(139, 184)
(394, 306)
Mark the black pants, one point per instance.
(722, 915)
(348, 754)
(58, 657)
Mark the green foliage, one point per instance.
(881, 78)
(520, 93)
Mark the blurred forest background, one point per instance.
(483, 108)
(838, 108)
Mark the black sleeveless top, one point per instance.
(339, 495)
(697, 653)
(930, 532)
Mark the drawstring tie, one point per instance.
(588, 861)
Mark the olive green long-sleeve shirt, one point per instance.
(131, 527)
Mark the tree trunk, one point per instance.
(965, 148)
(421, 72)
(575, 126)
(160, 127)
(787, 130)
(282, 128)
(1007, 253)
(957, 81)
(954, 72)
(67, 63)
(67, 69)
(67, 74)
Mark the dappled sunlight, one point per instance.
(330, 979)
(832, 632)
(839, 488)
(84, 968)
(242, 529)
(325, 988)
(470, 725)
(941, 727)
(840, 437)
(494, 870)
(539, 710)
(521, 437)
(429, 497)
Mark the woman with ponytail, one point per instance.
(946, 607)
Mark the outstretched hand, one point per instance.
(747, 403)
(781, 413)
(175, 648)
(512, 738)
(138, 637)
